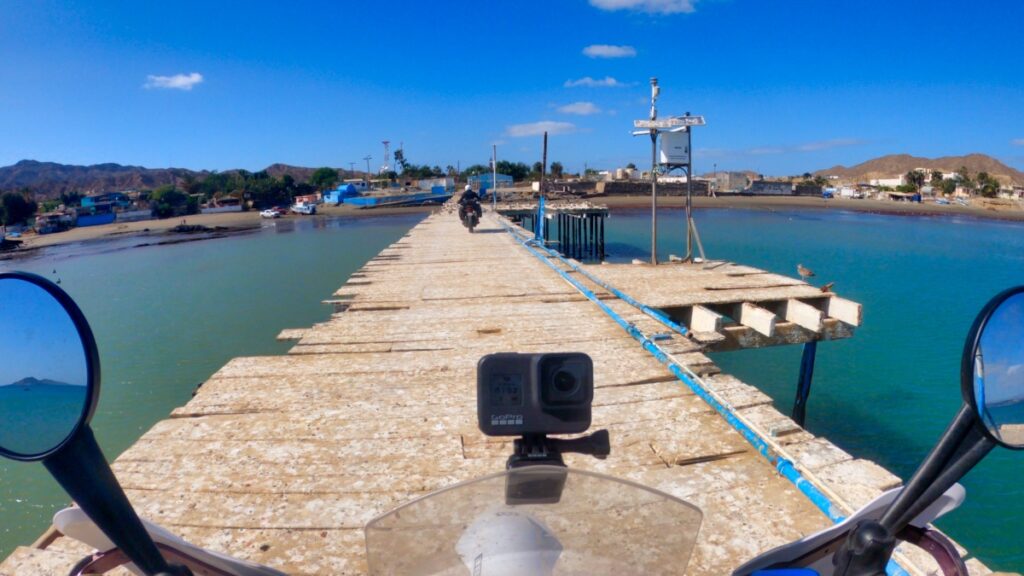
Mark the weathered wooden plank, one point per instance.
(740, 337)
(846, 310)
(702, 319)
(292, 334)
(753, 316)
(803, 314)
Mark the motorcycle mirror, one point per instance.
(992, 370)
(992, 386)
(49, 379)
(49, 387)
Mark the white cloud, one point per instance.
(1017, 141)
(176, 82)
(538, 128)
(609, 51)
(580, 108)
(589, 82)
(649, 6)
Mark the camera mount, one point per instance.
(537, 450)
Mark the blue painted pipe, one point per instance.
(782, 465)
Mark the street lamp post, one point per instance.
(654, 172)
(494, 177)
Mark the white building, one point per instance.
(891, 182)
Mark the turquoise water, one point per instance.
(887, 393)
(167, 317)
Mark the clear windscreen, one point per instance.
(538, 520)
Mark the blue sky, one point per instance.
(786, 85)
(39, 339)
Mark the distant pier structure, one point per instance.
(575, 228)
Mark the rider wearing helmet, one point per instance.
(470, 198)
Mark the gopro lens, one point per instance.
(565, 382)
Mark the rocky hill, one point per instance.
(50, 179)
(897, 164)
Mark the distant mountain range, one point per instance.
(50, 179)
(898, 164)
(30, 381)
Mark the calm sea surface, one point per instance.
(166, 317)
(887, 393)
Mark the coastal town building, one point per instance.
(731, 181)
(890, 182)
(770, 188)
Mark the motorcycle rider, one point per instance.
(469, 199)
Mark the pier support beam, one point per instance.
(803, 386)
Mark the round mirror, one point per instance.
(993, 370)
(49, 376)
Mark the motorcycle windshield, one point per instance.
(537, 520)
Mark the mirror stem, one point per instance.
(974, 447)
(929, 470)
(81, 469)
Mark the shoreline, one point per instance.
(213, 226)
(231, 223)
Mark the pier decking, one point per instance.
(283, 459)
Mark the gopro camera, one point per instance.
(519, 394)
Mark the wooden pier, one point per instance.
(283, 459)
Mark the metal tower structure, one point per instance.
(387, 157)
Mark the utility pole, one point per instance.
(352, 168)
(654, 171)
(544, 165)
(494, 177)
(368, 158)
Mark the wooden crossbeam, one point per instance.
(753, 316)
(704, 320)
(803, 314)
(845, 310)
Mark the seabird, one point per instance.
(804, 273)
(827, 287)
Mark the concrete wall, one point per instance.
(221, 209)
(700, 188)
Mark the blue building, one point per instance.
(118, 199)
(338, 195)
(484, 182)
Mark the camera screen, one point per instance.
(506, 390)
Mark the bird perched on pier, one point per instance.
(828, 287)
(804, 273)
